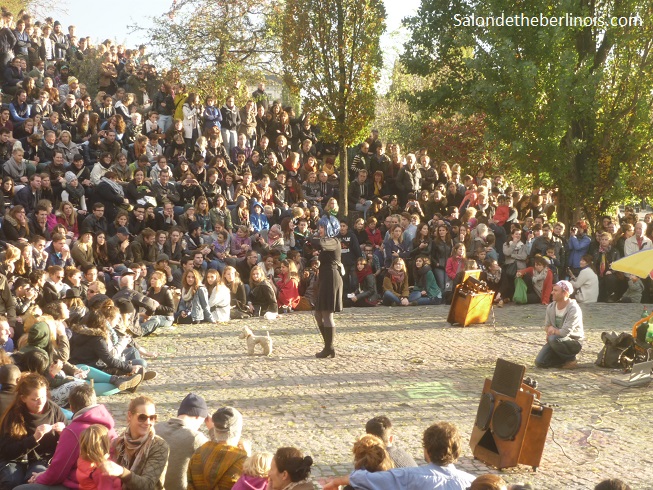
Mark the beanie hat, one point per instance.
(70, 177)
(227, 419)
(193, 406)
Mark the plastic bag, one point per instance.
(520, 296)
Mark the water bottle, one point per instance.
(649, 329)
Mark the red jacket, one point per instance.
(288, 293)
(547, 287)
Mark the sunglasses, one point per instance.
(142, 418)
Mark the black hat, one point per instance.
(123, 231)
(194, 406)
(127, 272)
(193, 226)
(71, 293)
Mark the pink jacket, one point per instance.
(63, 467)
(91, 478)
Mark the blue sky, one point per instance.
(111, 20)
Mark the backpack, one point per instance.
(622, 351)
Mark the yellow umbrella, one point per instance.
(639, 264)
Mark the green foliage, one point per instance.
(568, 106)
(215, 45)
(396, 121)
(331, 56)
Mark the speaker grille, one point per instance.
(507, 378)
(506, 420)
(484, 413)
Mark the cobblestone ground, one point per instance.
(410, 365)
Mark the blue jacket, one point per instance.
(198, 306)
(212, 117)
(258, 221)
(577, 248)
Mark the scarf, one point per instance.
(133, 453)
(115, 186)
(187, 294)
(361, 275)
(14, 168)
(538, 280)
(420, 276)
(396, 276)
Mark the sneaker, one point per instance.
(123, 383)
(149, 375)
(570, 365)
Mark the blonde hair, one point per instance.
(94, 444)
(258, 464)
(370, 454)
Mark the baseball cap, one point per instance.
(565, 286)
(123, 231)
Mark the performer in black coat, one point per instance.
(329, 297)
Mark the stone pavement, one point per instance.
(410, 365)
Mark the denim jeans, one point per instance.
(165, 122)
(557, 351)
(390, 298)
(13, 474)
(155, 322)
(416, 297)
(364, 207)
(229, 139)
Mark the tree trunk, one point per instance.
(344, 180)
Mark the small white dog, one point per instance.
(263, 340)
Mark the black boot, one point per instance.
(124, 383)
(328, 350)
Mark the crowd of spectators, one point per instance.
(144, 206)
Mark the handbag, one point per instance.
(521, 292)
(510, 269)
(618, 350)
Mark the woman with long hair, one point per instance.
(67, 216)
(262, 298)
(365, 293)
(138, 456)
(237, 292)
(426, 290)
(456, 263)
(194, 303)
(8, 192)
(202, 214)
(15, 226)
(81, 131)
(395, 284)
(288, 287)
(440, 253)
(422, 243)
(219, 296)
(395, 246)
(164, 314)
(29, 431)
(24, 265)
(101, 251)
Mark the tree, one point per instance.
(214, 44)
(569, 104)
(394, 118)
(331, 56)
